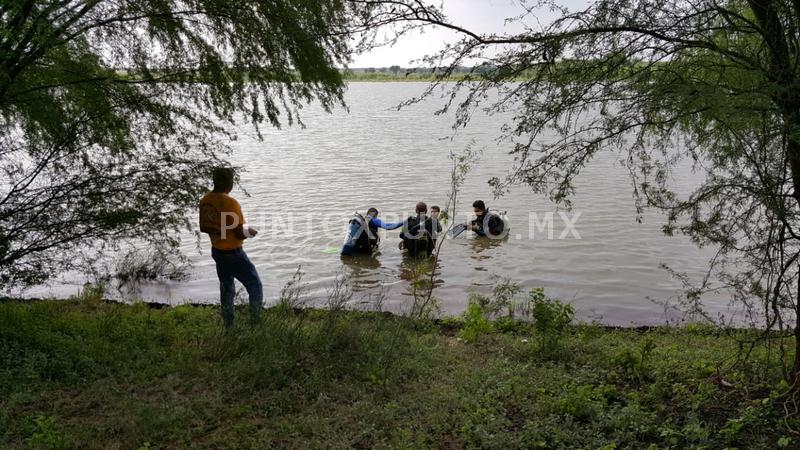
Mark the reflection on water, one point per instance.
(361, 264)
(415, 269)
(360, 268)
(423, 281)
(482, 246)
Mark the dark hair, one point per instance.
(370, 212)
(436, 207)
(479, 204)
(223, 179)
(421, 207)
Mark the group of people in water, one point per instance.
(417, 238)
(420, 231)
(222, 219)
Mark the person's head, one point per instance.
(479, 207)
(372, 212)
(421, 208)
(435, 210)
(223, 179)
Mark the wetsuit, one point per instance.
(362, 239)
(492, 226)
(419, 237)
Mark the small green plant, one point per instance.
(505, 295)
(751, 417)
(582, 402)
(634, 363)
(91, 294)
(550, 318)
(695, 431)
(732, 428)
(48, 434)
(292, 295)
(505, 301)
(476, 323)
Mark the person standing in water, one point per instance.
(435, 211)
(486, 223)
(222, 219)
(362, 237)
(419, 232)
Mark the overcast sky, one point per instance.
(483, 16)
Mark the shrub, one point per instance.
(504, 299)
(91, 294)
(475, 321)
(634, 363)
(292, 295)
(140, 265)
(550, 318)
(47, 434)
(584, 402)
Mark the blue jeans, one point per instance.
(234, 264)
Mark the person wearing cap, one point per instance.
(222, 219)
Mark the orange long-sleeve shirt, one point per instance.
(217, 208)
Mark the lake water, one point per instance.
(305, 184)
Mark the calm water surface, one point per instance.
(304, 185)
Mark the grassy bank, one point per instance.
(97, 375)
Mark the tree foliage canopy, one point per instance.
(112, 110)
(713, 84)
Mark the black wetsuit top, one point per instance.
(492, 226)
(420, 237)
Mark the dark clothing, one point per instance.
(488, 224)
(438, 230)
(363, 235)
(419, 237)
(235, 265)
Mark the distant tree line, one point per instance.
(398, 70)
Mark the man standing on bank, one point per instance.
(222, 219)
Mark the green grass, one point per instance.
(96, 375)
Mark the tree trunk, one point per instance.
(793, 150)
(787, 98)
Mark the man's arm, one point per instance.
(386, 226)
